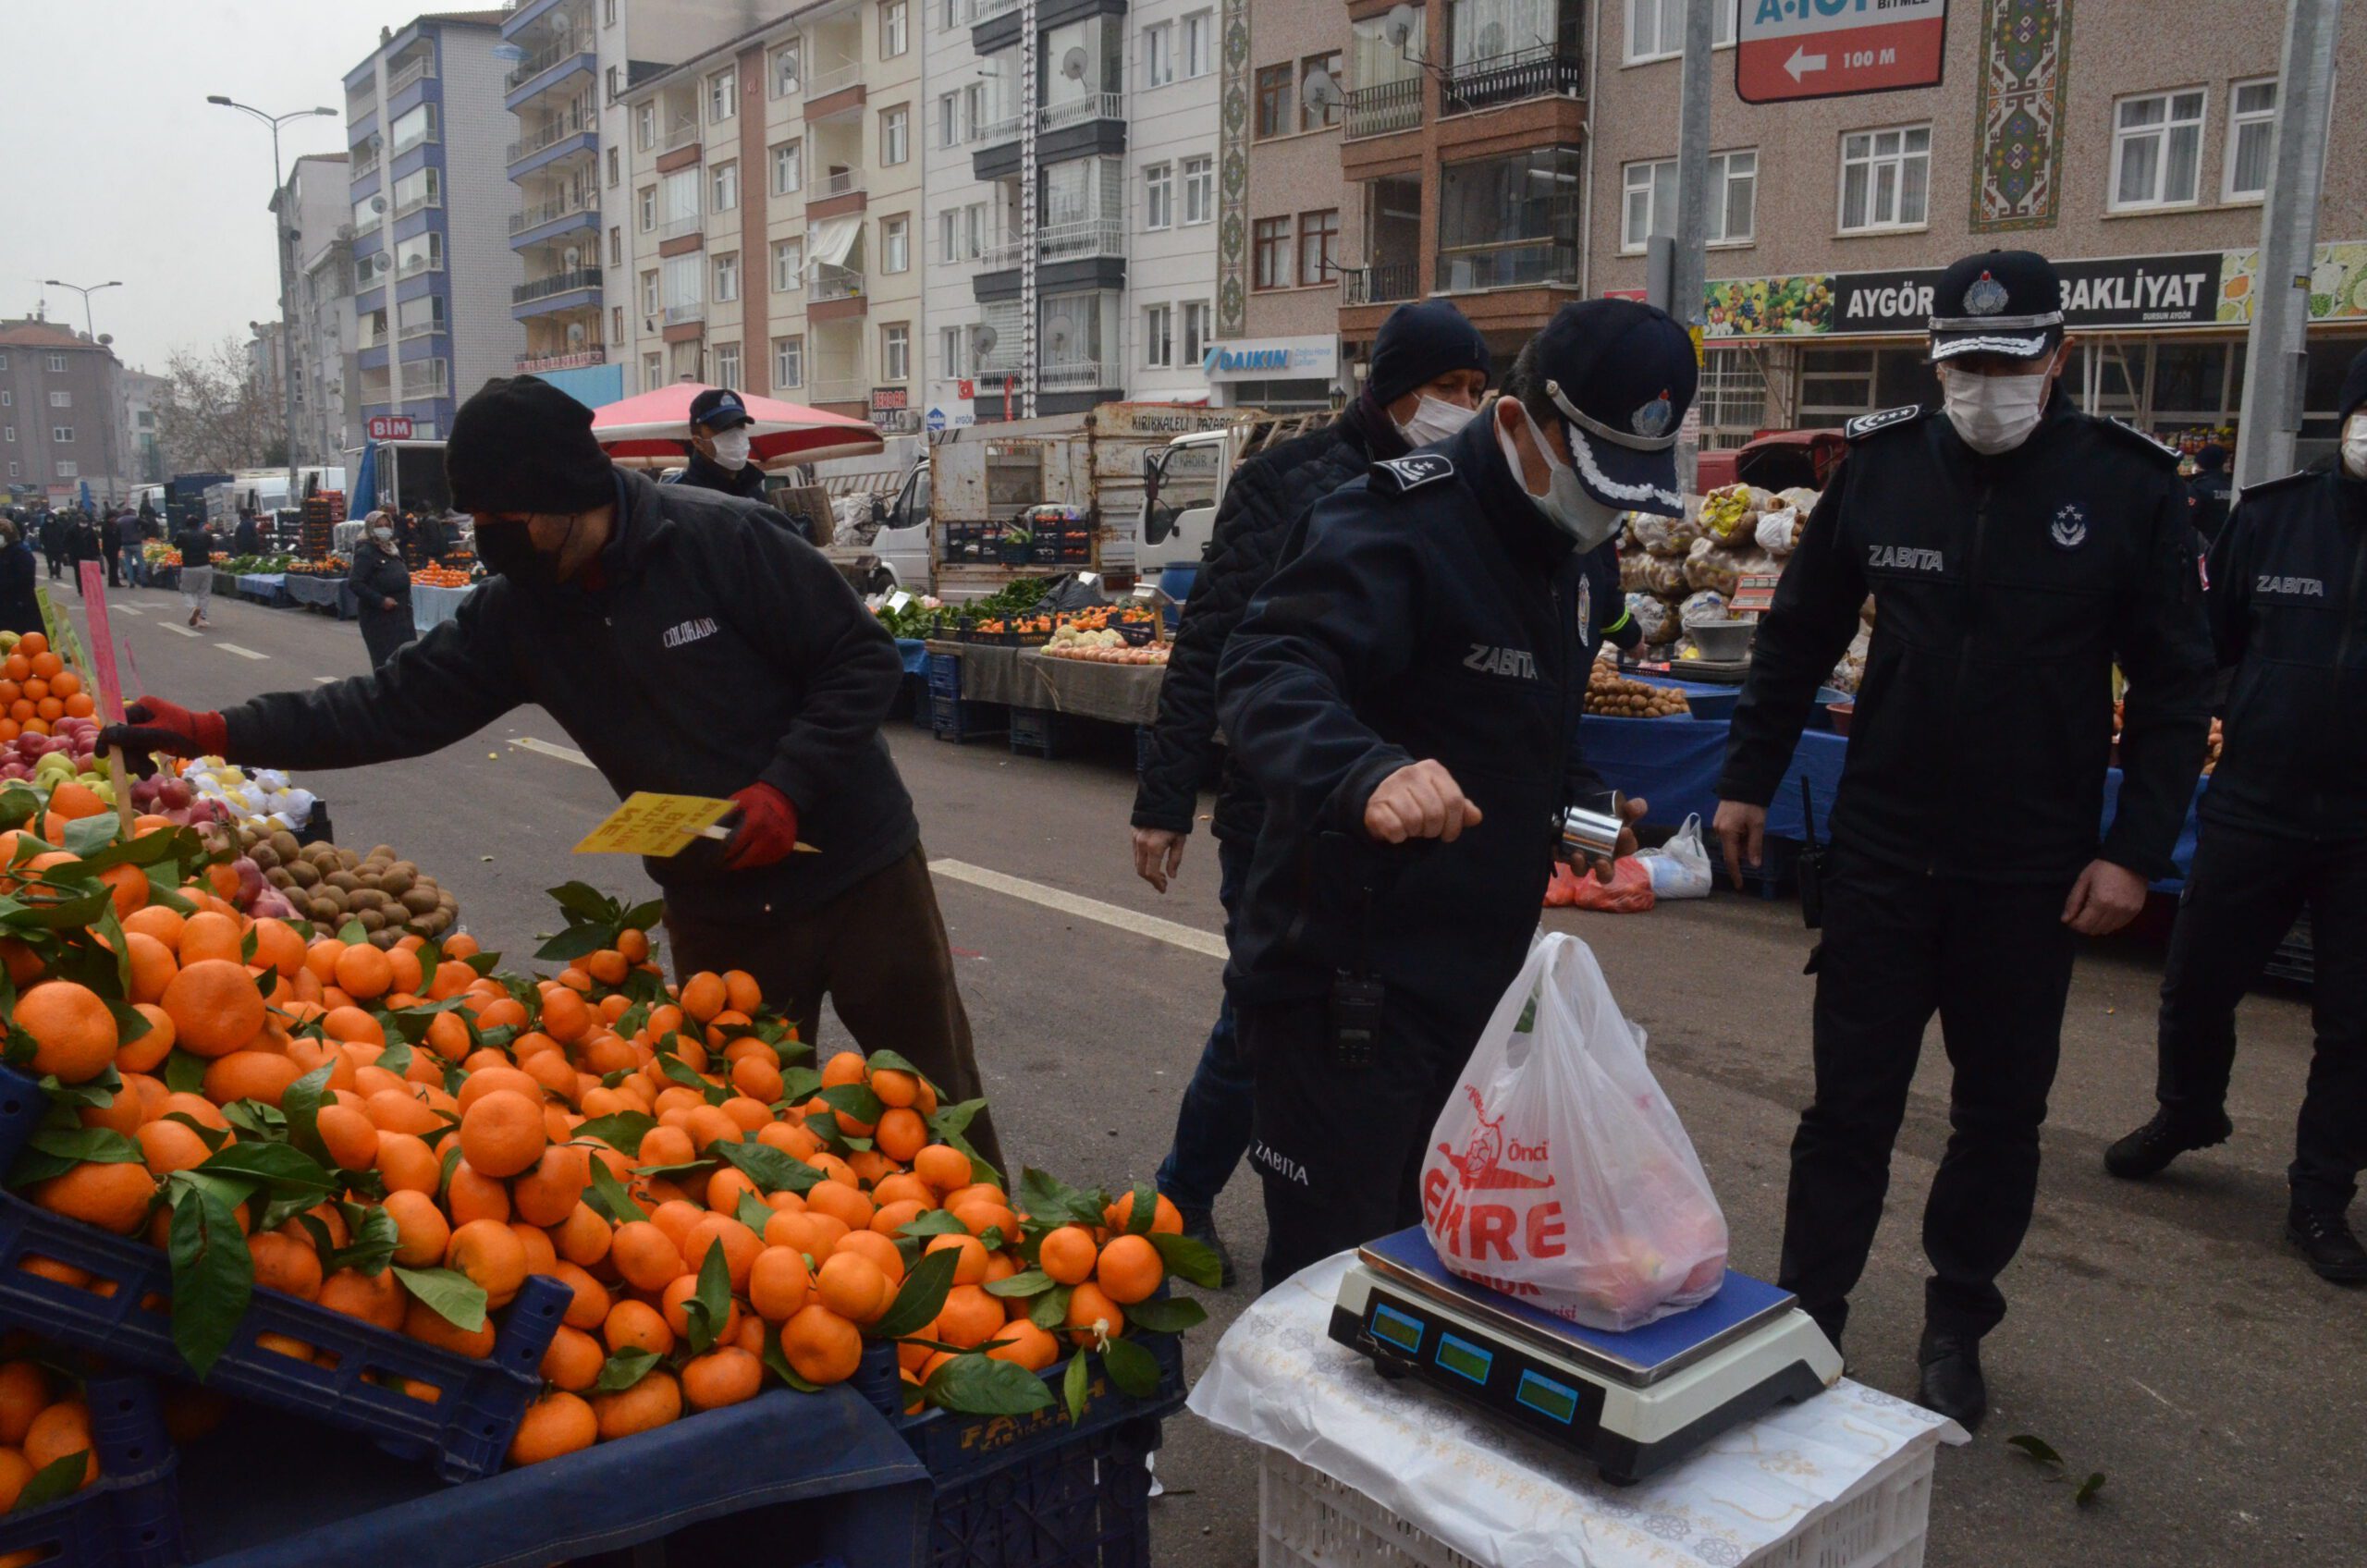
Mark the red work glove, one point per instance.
(767, 832)
(154, 725)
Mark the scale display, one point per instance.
(1529, 1393)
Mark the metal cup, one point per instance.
(1584, 833)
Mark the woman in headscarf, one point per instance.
(381, 585)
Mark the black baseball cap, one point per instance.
(718, 408)
(2004, 303)
(1623, 373)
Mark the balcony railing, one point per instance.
(542, 59)
(1004, 256)
(681, 133)
(557, 131)
(838, 78)
(839, 389)
(1385, 108)
(417, 69)
(1383, 283)
(987, 10)
(417, 265)
(552, 211)
(1545, 71)
(569, 359)
(1092, 106)
(835, 282)
(419, 329)
(365, 159)
(1004, 129)
(1074, 241)
(675, 228)
(693, 309)
(838, 182)
(558, 283)
(411, 205)
(1077, 375)
(419, 138)
(1512, 264)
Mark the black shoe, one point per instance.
(1952, 1383)
(1200, 1224)
(2324, 1238)
(2149, 1150)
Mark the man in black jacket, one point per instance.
(1417, 672)
(720, 455)
(2209, 490)
(690, 645)
(111, 548)
(2283, 828)
(2016, 550)
(1429, 367)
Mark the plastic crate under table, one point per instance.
(130, 1516)
(1307, 1520)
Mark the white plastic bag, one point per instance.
(1680, 868)
(1558, 1172)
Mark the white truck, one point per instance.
(1183, 484)
(990, 502)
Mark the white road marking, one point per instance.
(564, 753)
(184, 630)
(327, 679)
(1190, 937)
(242, 653)
(121, 608)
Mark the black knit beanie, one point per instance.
(2354, 385)
(1419, 343)
(522, 445)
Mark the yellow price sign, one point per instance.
(658, 825)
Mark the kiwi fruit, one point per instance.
(323, 911)
(371, 920)
(263, 856)
(303, 873)
(278, 877)
(397, 881)
(419, 901)
(284, 845)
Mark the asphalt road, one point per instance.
(2161, 1334)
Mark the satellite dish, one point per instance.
(1399, 24)
(377, 203)
(1059, 331)
(1320, 93)
(1073, 64)
(986, 340)
(1491, 41)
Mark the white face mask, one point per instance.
(1434, 418)
(732, 446)
(1566, 504)
(383, 535)
(1993, 413)
(2354, 445)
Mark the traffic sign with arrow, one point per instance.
(1789, 50)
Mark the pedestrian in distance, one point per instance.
(1406, 691)
(2016, 550)
(689, 645)
(56, 536)
(84, 545)
(2283, 828)
(434, 538)
(197, 570)
(1429, 369)
(19, 606)
(247, 538)
(111, 548)
(381, 585)
(2210, 490)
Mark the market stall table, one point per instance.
(1028, 677)
(270, 1490)
(430, 608)
(263, 588)
(1355, 1462)
(332, 593)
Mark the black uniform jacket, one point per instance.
(2005, 590)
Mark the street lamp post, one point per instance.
(106, 425)
(279, 243)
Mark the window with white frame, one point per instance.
(949, 120)
(61, 399)
(62, 434)
(1199, 44)
(645, 126)
(727, 277)
(894, 145)
(648, 208)
(789, 161)
(653, 371)
(2157, 150)
(973, 231)
(58, 361)
(789, 264)
(789, 363)
(949, 235)
(615, 245)
(1886, 178)
(895, 27)
(896, 351)
(726, 364)
(1159, 195)
(1159, 55)
(723, 187)
(2252, 136)
(895, 244)
(722, 96)
(649, 293)
(1199, 190)
(607, 13)
(616, 168)
(1656, 28)
(1648, 193)
(973, 110)
(1159, 337)
(70, 470)
(1196, 331)
(952, 359)
(786, 69)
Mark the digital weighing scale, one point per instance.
(1634, 1404)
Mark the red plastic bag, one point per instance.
(1629, 892)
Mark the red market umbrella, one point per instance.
(651, 430)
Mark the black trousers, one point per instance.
(384, 632)
(1993, 961)
(2241, 899)
(1339, 1148)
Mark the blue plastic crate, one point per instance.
(916, 697)
(130, 1516)
(944, 674)
(465, 1432)
(1040, 732)
(957, 719)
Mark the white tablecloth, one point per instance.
(431, 607)
(1507, 1500)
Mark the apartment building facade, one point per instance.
(427, 129)
(61, 398)
(315, 213)
(141, 393)
(2134, 158)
